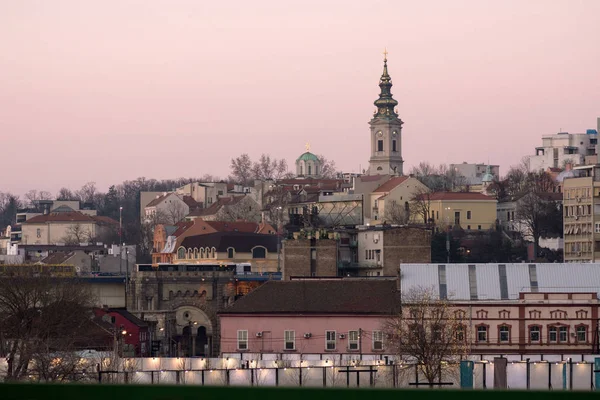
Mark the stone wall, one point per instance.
(297, 257)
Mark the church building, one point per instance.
(386, 131)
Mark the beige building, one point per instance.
(468, 210)
(169, 208)
(581, 215)
(390, 202)
(260, 251)
(206, 193)
(72, 227)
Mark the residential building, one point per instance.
(386, 131)
(145, 199)
(506, 308)
(41, 207)
(133, 332)
(390, 201)
(204, 193)
(474, 173)
(564, 148)
(467, 210)
(258, 250)
(581, 215)
(167, 238)
(234, 208)
(382, 248)
(67, 227)
(170, 208)
(310, 317)
(364, 251)
(365, 185)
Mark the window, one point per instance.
(504, 314)
(558, 314)
(581, 314)
(353, 340)
(535, 314)
(468, 227)
(504, 334)
(377, 340)
(457, 218)
(289, 340)
(181, 253)
(468, 214)
(39, 233)
(329, 340)
(394, 146)
(310, 170)
(481, 314)
(230, 252)
(242, 340)
(482, 333)
(534, 334)
(460, 314)
(581, 334)
(563, 334)
(460, 333)
(552, 334)
(259, 252)
(479, 227)
(380, 145)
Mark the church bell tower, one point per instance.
(386, 131)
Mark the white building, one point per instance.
(564, 148)
(474, 173)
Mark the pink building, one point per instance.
(310, 316)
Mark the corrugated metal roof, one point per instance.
(550, 278)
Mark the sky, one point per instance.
(111, 90)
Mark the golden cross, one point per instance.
(385, 53)
(307, 146)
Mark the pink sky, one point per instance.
(112, 90)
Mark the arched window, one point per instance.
(181, 253)
(195, 253)
(309, 169)
(301, 169)
(259, 252)
(230, 252)
(213, 252)
(190, 253)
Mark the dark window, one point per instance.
(230, 253)
(468, 214)
(259, 252)
(394, 145)
(380, 145)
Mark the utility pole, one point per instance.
(120, 239)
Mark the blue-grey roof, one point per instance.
(500, 281)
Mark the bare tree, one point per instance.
(244, 209)
(66, 194)
(328, 169)
(9, 205)
(76, 233)
(276, 202)
(426, 331)
(536, 215)
(396, 213)
(420, 206)
(88, 193)
(241, 169)
(175, 212)
(266, 168)
(440, 178)
(45, 320)
(33, 196)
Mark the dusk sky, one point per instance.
(106, 91)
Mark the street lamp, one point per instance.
(279, 226)
(447, 209)
(120, 239)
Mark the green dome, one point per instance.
(308, 156)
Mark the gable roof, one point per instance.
(457, 196)
(58, 257)
(181, 226)
(156, 201)
(391, 184)
(71, 216)
(240, 241)
(238, 226)
(190, 202)
(335, 296)
(215, 207)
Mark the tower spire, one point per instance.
(385, 103)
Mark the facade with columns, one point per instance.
(386, 131)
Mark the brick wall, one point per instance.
(405, 245)
(296, 257)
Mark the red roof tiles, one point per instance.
(390, 184)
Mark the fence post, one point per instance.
(528, 373)
(596, 373)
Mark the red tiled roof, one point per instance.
(213, 209)
(390, 184)
(72, 216)
(182, 227)
(309, 181)
(238, 226)
(457, 196)
(106, 220)
(191, 203)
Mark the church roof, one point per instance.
(308, 156)
(390, 184)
